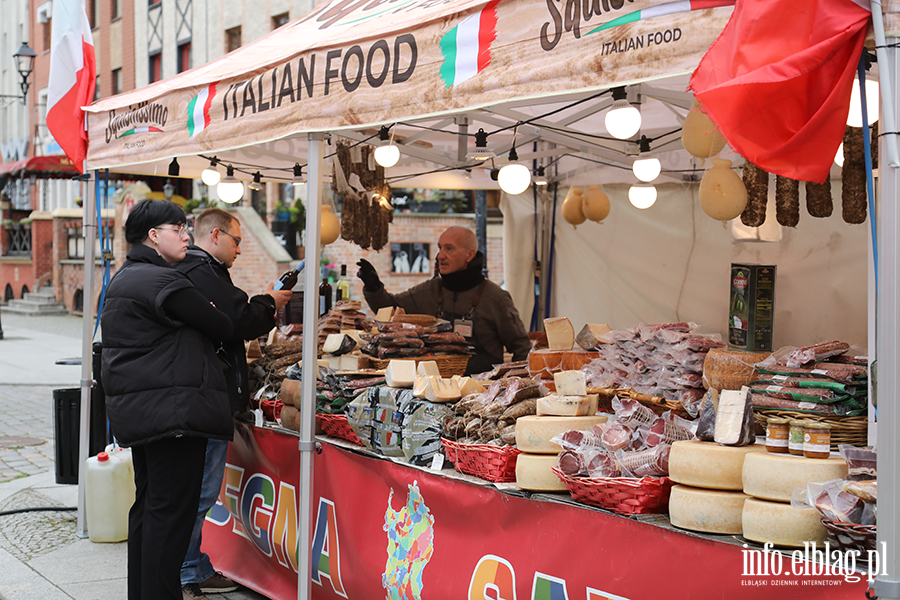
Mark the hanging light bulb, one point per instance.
(622, 120)
(174, 168)
(256, 184)
(514, 177)
(481, 151)
(642, 196)
(210, 174)
(540, 178)
(387, 154)
(230, 190)
(839, 157)
(646, 169)
(299, 177)
(854, 117)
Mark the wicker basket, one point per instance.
(623, 495)
(448, 364)
(657, 403)
(337, 426)
(494, 463)
(847, 536)
(844, 430)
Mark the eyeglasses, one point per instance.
(237, 240)
(181, 230)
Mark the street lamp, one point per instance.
(24, 58)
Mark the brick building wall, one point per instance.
(255, 268)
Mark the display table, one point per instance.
(383, 529)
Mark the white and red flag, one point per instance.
(73, 73)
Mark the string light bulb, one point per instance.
(646, 169)
(480, 151)
(386, 154)
(256, 184)
(299, 177)
(230, 190)
(642, 196)
(514, 177)
(210, 174)
(540, 178)
(174, 168)
(622, 120)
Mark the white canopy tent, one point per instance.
(537, 79)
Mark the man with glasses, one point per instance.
(217, 243)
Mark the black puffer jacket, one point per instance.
(251, 317)
(161, 376)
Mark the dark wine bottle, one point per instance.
(324, 294)
(287, 281)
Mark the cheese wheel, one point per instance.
(533, 472)
(533, 433)
(709, 511)
(776, 476)
(781, 524)
(709, 465)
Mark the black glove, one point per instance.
(369, 276)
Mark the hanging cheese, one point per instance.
(533, 433)
(734, 418)
(781, 524)
(428, 368)
(442, 390)
(533, 472)
(568, 406)
(400, 373)
(570, 383)
(776, 476)
(708, 511)
(590, 335)
(560, 333)
(709, 465)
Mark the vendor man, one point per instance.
(479, 309)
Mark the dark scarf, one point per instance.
(467, 278)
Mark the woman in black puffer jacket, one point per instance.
(165, 392)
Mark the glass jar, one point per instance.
(795, 438)
(777, 431)
(816, 440)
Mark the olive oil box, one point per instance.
(751, 307)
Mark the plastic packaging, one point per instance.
(833, 503)
(653, 462)
(862, 463)
(109, 494)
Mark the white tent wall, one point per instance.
(672, 262)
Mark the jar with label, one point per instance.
(777, 435)
(816, 440)
(795, 438)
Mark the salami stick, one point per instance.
(756, 181)
(787, 201)
(818, 198)
(853, 178)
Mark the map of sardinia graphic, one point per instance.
(410, 537)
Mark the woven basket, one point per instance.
(847, 536)
(657, 403)
(337, 426)
(844, 430)
(448, 364)
(494, 463)
(623, 495)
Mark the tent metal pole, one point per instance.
(310, 361)
(481, 225)
(887, 582)
(89, 231)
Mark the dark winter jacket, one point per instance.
(160, 374)
(251, 317)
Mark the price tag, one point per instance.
(463, 327)
(437, 462)
(258, 419)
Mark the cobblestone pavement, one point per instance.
(25, 412)
(29, 535)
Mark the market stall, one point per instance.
(265, 108)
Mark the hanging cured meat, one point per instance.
(818, 198)
(756, 181)
(853, 177)
(367, 211)
(787, 201)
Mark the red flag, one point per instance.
(72, 78)
(777, 81)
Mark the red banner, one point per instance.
(385, 530)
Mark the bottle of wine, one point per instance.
(287, 281)
(324, 293)
(343, 286)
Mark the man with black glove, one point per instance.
(217, 243)
(479, 309)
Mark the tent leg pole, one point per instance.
(89, 231)
(481, 225)
(310, 362)
(887, 582)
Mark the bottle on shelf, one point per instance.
(324, 293)
(343, 286)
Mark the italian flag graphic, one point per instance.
(467, 47)
(198, 110)
(660, 10)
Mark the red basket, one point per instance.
(337, 426)
(271, 408)
(494, 463)
(623, 495)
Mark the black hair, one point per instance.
(147, 214)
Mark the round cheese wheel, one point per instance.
(709, 511)
(776, 476)
(709, 465)
(533, 433)
(533, 472)
(781, 524)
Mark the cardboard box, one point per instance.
(751, 307)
